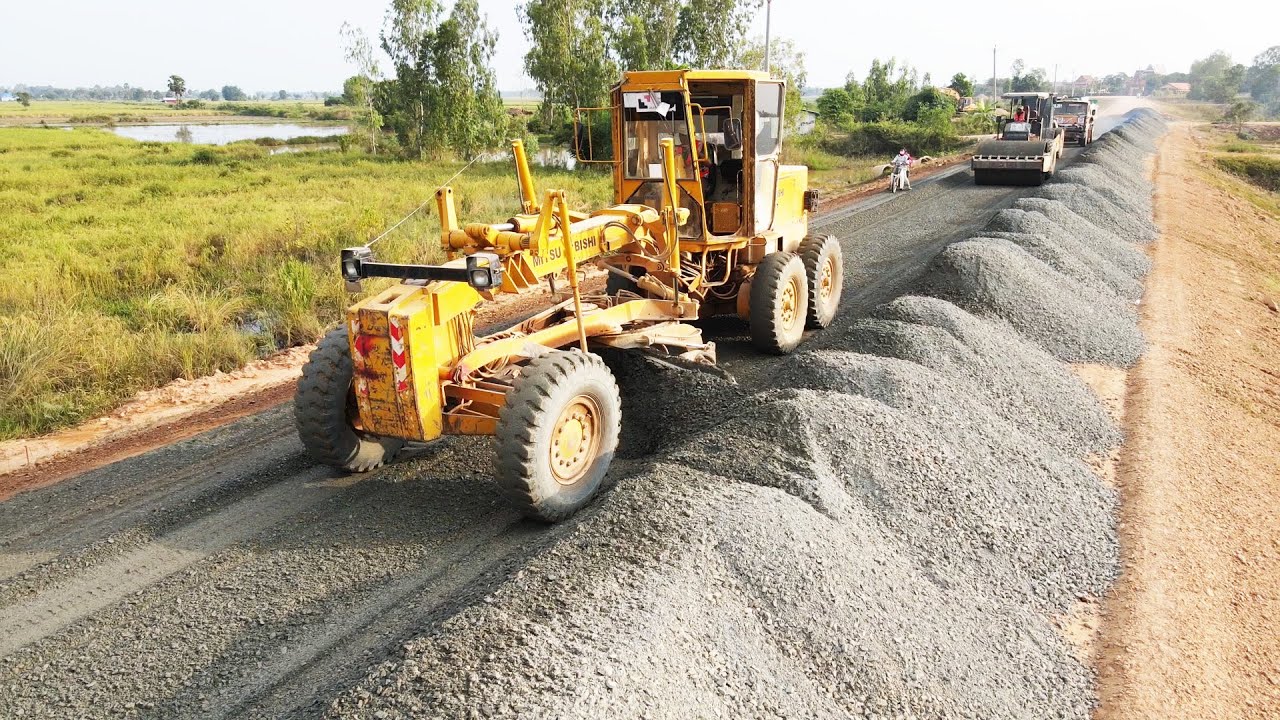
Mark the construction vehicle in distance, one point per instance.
(705, 221)
(1024, 152)
(1075, 116)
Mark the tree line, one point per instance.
(439, 94)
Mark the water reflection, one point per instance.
(223, 133)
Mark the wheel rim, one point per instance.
(790, 302)
(827, 280)
(575, 440)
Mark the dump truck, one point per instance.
(705, 221)
(1075, 116)
(1027, 145)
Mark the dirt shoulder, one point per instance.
(1189, 629)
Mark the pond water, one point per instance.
(544, 157)
(221, 134)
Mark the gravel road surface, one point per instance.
(865, 529)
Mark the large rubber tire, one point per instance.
(324, 411)
(779, 303)
(824, 272)
(564, 412)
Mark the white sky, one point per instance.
(294, 44)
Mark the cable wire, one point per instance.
(418, 209)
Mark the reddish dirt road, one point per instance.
(1190, 629)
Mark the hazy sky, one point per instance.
(294, 44)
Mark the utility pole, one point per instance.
(1055, 78)
(995, 87)
(768, 12)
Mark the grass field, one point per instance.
(129, 264)
(1254, 156)
(87, 112)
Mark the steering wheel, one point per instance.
(710, 178)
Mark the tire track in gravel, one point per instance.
(138, 568)
(287, 685)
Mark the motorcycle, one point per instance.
(898, 179)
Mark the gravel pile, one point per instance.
(1015, 378)
(1098, 209)
(693, 595)
(1125, 256)
(1062, 251)
(997, 280)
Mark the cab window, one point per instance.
(768, 118)
(648, 118)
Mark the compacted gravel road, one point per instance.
(228, 576)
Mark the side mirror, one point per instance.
(733, 134)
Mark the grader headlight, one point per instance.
(484, 270)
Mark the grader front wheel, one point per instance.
(557, 434)
(324, 410)
(779, 303)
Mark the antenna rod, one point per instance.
(768, 11)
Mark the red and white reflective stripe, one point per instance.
(361, 383)
(398, 360)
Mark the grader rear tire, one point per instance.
(557, 434)
(779, 303)
(824, 271)
(324, 410)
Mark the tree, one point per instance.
(177, 86)
(212, 95)
(358, 90)
(1263, 79)
(787, 65)
(1034, 80)
(233, 93)
(706, 31)
(642, 32)
(929, 103)
(24, 97)
(962, 85)
(885, 94)
(1116, 83)
(443, 95)
(1240, 112)
(568, 56)
(836, 106)
(1216, 78)
(282, 95)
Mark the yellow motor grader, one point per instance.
(705, 221)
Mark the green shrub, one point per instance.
(886, 138)
(204, 156)
(1260, 170)
(975, 124)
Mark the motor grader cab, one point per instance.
(705, 221)
(1027, 145)
(1076, 117)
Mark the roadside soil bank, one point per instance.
(1189, 629)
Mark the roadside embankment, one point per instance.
(1190, 628)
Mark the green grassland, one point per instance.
(129, 264)
(1252, 154)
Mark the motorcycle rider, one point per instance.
(903, 161)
